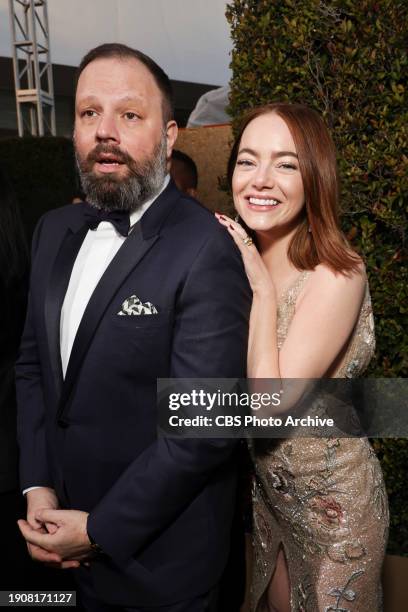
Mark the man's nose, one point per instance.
(107, 129)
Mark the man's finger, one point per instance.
(64, 565)
(34, 536)
(44, 556)
(32, 521)
(48, 515)
(50, 559)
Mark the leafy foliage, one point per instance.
(347, 60)
(393, 455)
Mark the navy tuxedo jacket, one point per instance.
(160, 509)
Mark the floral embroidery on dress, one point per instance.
(343, 594)
(327, 512)
(282, 481)
(303, 590)
(352, 368)
(341, 553)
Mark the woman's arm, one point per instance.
(325, 316)
(326, 313)
(263, 356)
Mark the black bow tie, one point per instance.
(118, 218)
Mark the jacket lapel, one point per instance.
(55, 293)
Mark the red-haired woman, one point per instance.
(320, 506)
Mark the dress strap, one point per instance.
(291, 293)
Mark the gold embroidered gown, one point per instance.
(323, 500)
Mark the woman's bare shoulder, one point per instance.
(324, 280)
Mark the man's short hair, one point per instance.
(189, 168)
(117, 50)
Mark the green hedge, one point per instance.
(393, 455)
(348, 60)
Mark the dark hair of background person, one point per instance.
(319, 238)
(123, 52)
(13, 246)
(183, 171)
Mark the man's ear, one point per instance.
(192, 192)
(171, 136)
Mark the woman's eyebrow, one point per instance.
(276, 154)
(284, 154)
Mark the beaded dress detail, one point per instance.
(323, 500)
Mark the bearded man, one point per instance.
(140, 282)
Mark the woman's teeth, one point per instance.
(263, 202)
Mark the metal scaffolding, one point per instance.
(32, 67)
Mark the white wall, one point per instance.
(190, 39)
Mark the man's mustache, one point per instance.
(120, 156)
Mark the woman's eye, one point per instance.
(244, 162)
(288, 166)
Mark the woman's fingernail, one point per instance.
(231, 226)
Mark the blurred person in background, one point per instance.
(184, 173)
(18, 571)
(13, 296)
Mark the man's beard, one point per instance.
(142, 181)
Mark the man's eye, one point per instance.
(130, 115)
(88, 113)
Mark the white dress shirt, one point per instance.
(97, 251)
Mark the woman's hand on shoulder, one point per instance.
(258, 276)
(326, 313)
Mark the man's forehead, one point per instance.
(124, 72)
(92, 98)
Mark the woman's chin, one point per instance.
(259, 224)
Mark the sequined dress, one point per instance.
(323, 500)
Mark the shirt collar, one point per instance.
(136, 215)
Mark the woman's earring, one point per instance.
(237, 218)
(310, 229)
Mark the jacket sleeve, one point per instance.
(34, 468)
(209, 341)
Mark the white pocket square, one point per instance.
(134, 306)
